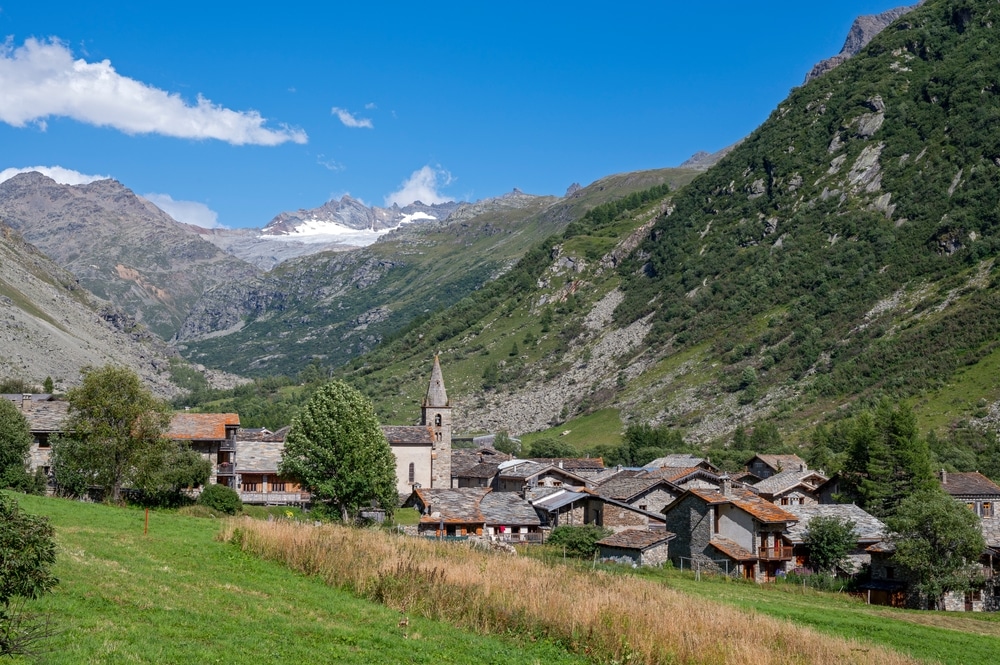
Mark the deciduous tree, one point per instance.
(829, 540)
(15, 444)
(337, 451)
(938, 542)
(114, 433)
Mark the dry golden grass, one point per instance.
(609, 618)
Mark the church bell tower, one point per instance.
(436, 413)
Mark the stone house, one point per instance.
(647, 493)
(681, 461)
(730, 530)
(567, 507)
(213, 436)
(258, 454)
(479, 475)
(642, 548)
(765, 466)
(980, 494)
(791, 488)
(523, 475)
(868, 531)
(45, 418)
(464, 459)
(584, 467)
(471, 511)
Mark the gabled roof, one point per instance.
(624, 489)
(969, 484)
(451, 506)
(680, 460)
(525, 469)
(508, 508)
(262, 434)
(259, 456)
(732, 550)
(867, 528)
(46, 416)
(463, 459)
(787, 480)
(745, 500)
(187, 426)
(481, 470)
(679, 475)
(636, 539)
(558, 499)
(409, 435)
(780, 462)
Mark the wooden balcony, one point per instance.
(228, 445)
(274, 498)
(779, 553)
(226, 469)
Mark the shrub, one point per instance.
(221, 498)
(579, 541)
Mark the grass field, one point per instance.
(178, 595)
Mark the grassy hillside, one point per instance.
(844, 251)
(178, 595)
(328, 308)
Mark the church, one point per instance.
(423, 452)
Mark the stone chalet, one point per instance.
(463, 460)
(792, 487)
(765, 466)
(868, 531)
(258, 454)
(45, 419)
(213, 436)
(523, 475)
(644, 492)
(473, 511)
(681, 461)
(585, 467)
(568, 507)
(979, 493)
(729, 530)
(641, 548)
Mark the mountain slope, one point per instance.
(845, 249)
(119, 245)
(330, 307)
(51, 326)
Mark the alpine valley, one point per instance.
(843, 251)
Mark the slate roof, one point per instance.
(786, 480)
(969, 484)
(781, 462)
(732, 550)
(508, 508)
(46, 416)
(677, 460)
(626, 488)
(481, 470)
(245, 434)
(258, 456)
(762, 510)
(677, 475)
(188, 426)
(636, 539)
(524, 469)
(463, 459)
(452, 506)
(867, 528)
(409, 435)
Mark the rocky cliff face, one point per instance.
(862, 31)
(120, 246)
(353, 214)
(52, 327)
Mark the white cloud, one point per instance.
(351, 120)
(188, 212)
(422, 186)
(41, 79)
(371, 106)
(57, 173)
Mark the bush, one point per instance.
(221, 498)
(579, 541)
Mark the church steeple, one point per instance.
(436, 413)
(436, 396)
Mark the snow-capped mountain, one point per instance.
(350, 222)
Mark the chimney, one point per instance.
(727, 485)
(26, 402)
(944, 477)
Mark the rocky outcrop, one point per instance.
(354, 214)
(862, 31)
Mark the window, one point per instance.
(437, 419)
(890, 573)
(413, 472)
(784, 500)
(987, 509)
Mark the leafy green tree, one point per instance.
(938, 542)
(114, 433)
(15, 444)
(222, 498)
(549, 447)
(48, 386)
(179, 468)
(27, 553)
(505, 443)
(765, 438)
(337, 451)
(579, 541)
(829, 540)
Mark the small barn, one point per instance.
(643, 548)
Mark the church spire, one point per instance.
(436, 396)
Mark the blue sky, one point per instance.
(229, 113)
